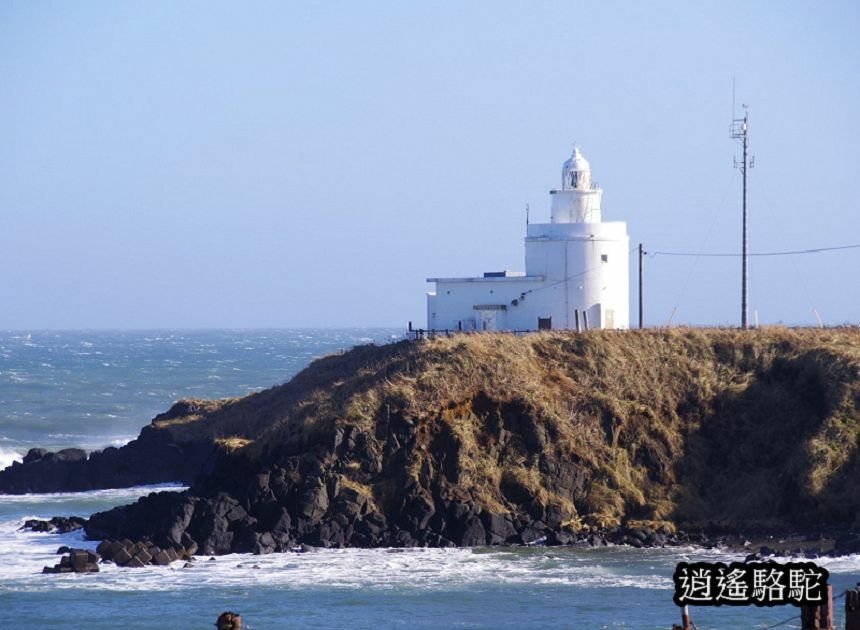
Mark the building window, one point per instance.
(604, 257)
(544, 323)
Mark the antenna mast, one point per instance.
(740, 131)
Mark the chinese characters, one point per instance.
(740, 584)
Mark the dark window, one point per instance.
(544, 323)
(604, 257)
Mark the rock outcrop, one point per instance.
(55, 525)
(158, 455)
(77, 561)
(552, 438)
(133, 555)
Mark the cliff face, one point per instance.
(490, 438)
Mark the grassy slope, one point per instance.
(691, 426)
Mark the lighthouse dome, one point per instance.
(576, 172)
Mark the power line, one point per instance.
(783, 253)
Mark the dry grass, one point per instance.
(687, 425)
(231, 444)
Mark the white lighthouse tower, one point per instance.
(577, 271)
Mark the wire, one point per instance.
(799, 274)
(783, 253)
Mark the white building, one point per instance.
(576, 277)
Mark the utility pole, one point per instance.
(740, 131)
(641, 274)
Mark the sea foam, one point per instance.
(9, 455)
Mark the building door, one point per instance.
(609, 314)
(488, 320)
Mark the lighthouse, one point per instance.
(576, 271)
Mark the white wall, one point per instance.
(570, 255)
(455, 299)
(576, 206)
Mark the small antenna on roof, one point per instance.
(527, 215)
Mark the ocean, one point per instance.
(91, 389)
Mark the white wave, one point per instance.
(115, 496)
(9, 455)
(379, 569)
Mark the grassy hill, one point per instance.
(694, 427)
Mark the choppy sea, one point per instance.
(96, 388)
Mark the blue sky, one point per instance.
(207, 164)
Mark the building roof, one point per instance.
(502, 279)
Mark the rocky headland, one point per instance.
(644, 438)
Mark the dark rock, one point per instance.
(154, 457)
(595, 540)
(161, 558)
(313, 504)
(34, 455)
(514, 489)
(188, 544)
(846, 544)
(559, 537)
(112, 551)
(402, 538)
(332, 534)
(641, 534)
(533, 532)
(210, 527)
(658, 539)
(565, 478)
(371, 526)
(121, 557)
(58, 569)
(37, 525)
(265, 544)
(78, 561)
(417, 513)
(553, 516)
(499, 529)
(67, 455)
(55, 525)
(180, 517)
(471, 533)
(143, 556)
(103, 548)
